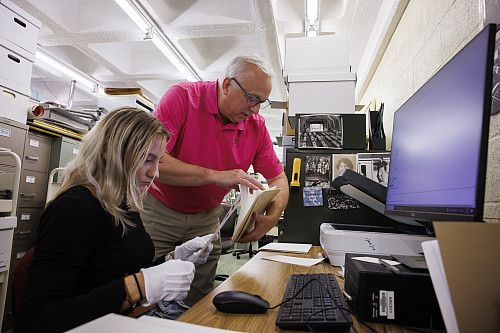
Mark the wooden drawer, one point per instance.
(18, 26)
(12, 136)
(37, 152)
(33, 188)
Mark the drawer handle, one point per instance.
(18, 21)
(28, 195)
(16, 59)
(32, 158)
(27, 232)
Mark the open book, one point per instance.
(258, 201)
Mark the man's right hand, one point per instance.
(232, 178)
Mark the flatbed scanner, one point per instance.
(402, 236)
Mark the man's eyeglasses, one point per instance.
(252, 101)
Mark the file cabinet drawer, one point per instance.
(27, 220)
(33, 188)
(12, 136)
(18, 26)
(37, 152)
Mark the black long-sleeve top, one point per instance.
(79, 263)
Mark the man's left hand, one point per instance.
(263, 223)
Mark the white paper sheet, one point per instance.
(375, 260)
(287, 247)
(434, 261)
(293, 260)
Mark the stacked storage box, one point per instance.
(18, 39)
(318, 75)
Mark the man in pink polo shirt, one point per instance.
(217, 134)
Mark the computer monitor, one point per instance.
(440, 140)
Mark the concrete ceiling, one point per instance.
(99, 39)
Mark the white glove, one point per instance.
(169, 281)
(190, 249)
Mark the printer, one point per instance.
(402, 236)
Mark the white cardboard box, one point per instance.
(337, 243)
(14, 104)
(319, 54)
(321, 93)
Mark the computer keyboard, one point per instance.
(314, 305)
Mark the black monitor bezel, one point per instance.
(427, 217)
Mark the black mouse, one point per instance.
(234, 301)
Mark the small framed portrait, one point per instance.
(343, 161)
(318, 131)
(318, 171)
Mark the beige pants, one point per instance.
(169, 228)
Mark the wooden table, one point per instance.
(267, 279)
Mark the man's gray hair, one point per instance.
(239, 64)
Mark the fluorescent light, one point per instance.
(312, 10)
(168, 51)
(161, 42)
(312, 18)
(134, 15)
(72, 73)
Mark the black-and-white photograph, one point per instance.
(374, 166)
(492, 15)
(338, 200)
(319, 131)
(343, 161)
(318, 171)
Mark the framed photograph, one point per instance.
(318, 171)
(374, 166)
(318, 131)
(343, 161)
(492, 15)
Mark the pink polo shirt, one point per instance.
(189, 111)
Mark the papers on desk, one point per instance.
(287, 247)
(116, 323)
(293, 260)
(438, 277)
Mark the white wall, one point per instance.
(429, 34)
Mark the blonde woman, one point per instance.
(92, 255)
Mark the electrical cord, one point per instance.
(43, 81)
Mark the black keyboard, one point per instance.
(314, 305)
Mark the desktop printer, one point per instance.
(337, 240)
(404, 236)
(404, 297)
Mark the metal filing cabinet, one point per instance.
(63, 151)
(12, 137)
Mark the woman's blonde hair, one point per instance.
(109, 157)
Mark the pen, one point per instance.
(389, 267)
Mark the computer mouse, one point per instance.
(233, 301)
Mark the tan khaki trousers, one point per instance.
(169, 228)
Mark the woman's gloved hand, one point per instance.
(190, 249)
(168, 281)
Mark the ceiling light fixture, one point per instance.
(69, 71)
(312, 18)
(171, 53)
(132, 12)
(159, 39)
